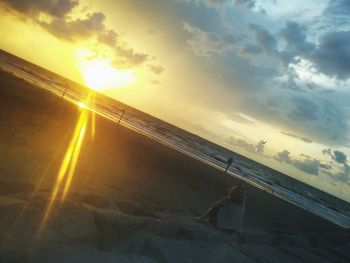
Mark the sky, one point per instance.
(237, 72)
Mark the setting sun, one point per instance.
(99, 75)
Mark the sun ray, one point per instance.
(68, 166)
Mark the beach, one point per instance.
(131, 199)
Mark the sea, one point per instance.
(265, 178)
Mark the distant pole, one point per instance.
(121, 116)
(229, 162)
(64, 92)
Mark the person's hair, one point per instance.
(237, 194)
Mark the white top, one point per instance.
(230, 215)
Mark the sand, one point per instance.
(132, 199)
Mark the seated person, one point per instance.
(227, 213)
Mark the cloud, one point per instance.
(308, 165)
(304, 139)
(343, 177)
(304, 109)
(245, 3)
(319, 116)
(218, 4)
(93, 26)
(73, 30)
(342, 174)
(336, 155)
(260, 146)
(250, 50)
(206, 44)
(108, 37)
(340, 157)
(127, 57)
(332, 57)
(338, 11)
(265, 40)
(249, 147)
(240, 118)
(221, 3)
(295, 37)
(156, 69)
(283, 156)
(55, 8)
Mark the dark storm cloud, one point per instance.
(338, 7)
(56, 8)
(336, 155)
(332, 56)
(264, 38)
(91, 26)
(320, 117)
(302, 138)
(295, 37)
(340, 157)
(333, 121)
(304, 109)
(308, 164)
(338, 11)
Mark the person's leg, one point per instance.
(205, 216)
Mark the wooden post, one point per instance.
(229, 161)
(64, 92)
(121, 116)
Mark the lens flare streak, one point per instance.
(67, 168)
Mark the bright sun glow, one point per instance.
(82, 105)
(99, 75)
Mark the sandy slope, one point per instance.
(132, 199)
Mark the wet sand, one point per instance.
(132, 199)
